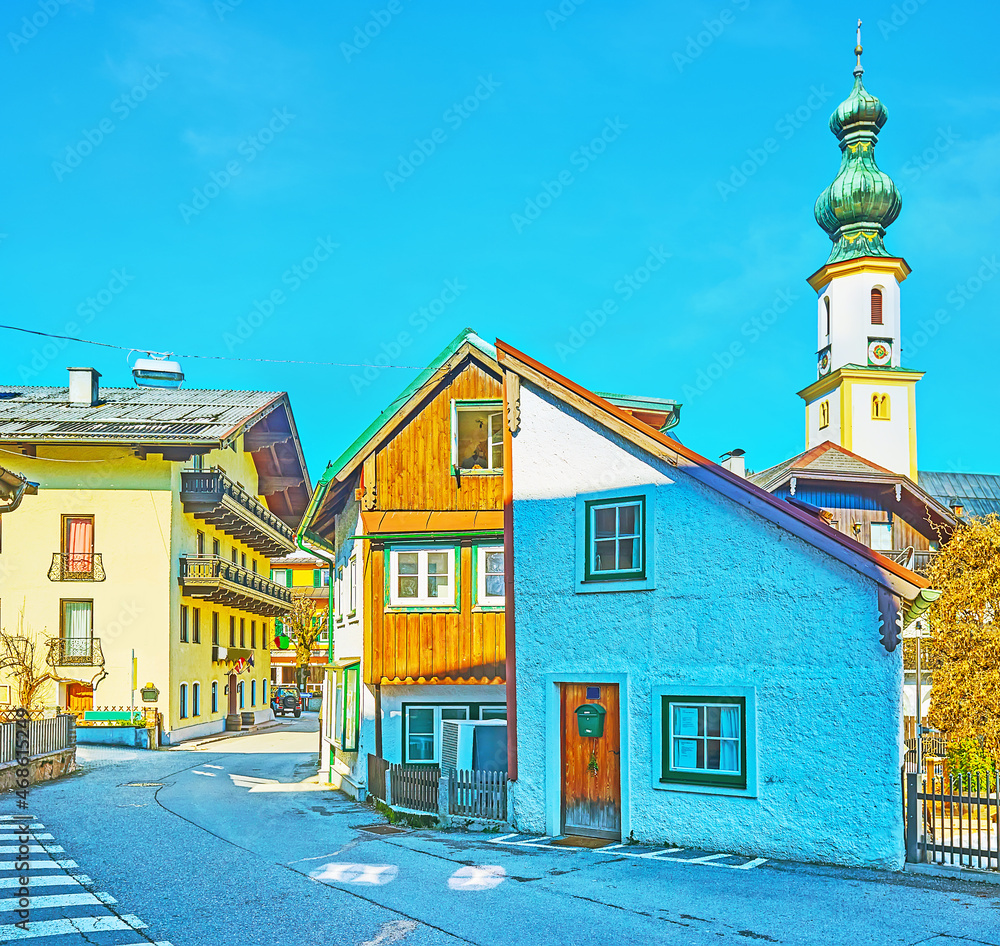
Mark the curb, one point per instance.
(970, 875)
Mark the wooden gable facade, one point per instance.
(420, 500)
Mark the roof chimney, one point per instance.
(734, 462)
(84, 386)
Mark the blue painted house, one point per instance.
(690, 659)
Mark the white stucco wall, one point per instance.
(850, 317)
(738, 602)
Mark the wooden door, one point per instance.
(591, 766)
(233, 708)
(79, 696)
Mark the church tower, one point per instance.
(863, 398)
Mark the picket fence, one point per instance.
(44, 736)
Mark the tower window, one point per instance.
(880, 407)
(824, 414)
(876, 307)
(826, 303)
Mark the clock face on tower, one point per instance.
(824, 362)
(879, 351)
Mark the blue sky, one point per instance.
(260, 180)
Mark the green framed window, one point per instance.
(351, 722)
(615, 539)
(704, 740)
(477, 436)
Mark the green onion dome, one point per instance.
(862, 200)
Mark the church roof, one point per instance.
(978, 493)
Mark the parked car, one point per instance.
(286, 700)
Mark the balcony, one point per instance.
(211, 496)
(76, 566)
(74, 652)
(917, 560)
(219, 581)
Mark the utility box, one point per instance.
(590, 719)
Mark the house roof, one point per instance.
(329, 489)
(176, 422)
(978, 493)
(837, 467)
(887, 573)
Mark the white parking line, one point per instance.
(618, 850)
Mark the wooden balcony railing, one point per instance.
(211, 496)
(220, 581)
(77, 566)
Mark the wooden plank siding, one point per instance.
(413, 474)
(413, 469)
(412, 646)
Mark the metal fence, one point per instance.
(44, 736)
(953, 821)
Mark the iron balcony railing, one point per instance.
(77, 566)
(214, 497)
(216, 578)
(75, 652)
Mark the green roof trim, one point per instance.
(466, 336)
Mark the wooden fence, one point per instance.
(44, 736)
(377, 767)
(414, 786)
(953, 821)
(477, 794)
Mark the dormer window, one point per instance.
(477, 436)
(876, 307)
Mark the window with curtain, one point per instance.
(78, 543)
(77, 628)
(421, 577)
(704, 740)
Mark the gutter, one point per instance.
(25, 487)
(425, 536)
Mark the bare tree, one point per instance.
(303, 622)
(20, 658)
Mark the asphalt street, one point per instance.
(234, 842)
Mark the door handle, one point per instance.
(614, 751)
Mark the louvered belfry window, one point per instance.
(876, 307)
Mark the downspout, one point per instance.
(508, 576)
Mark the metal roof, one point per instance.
(979, 493)
(160, 415)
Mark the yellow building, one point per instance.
(157, 514)
(303, 574)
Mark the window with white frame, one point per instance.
(196, 699)
(477, 436)
(182, 706)
(352, 581)
(493, 712)
(704, 739)
(489, 576)
(352, 708)
(422, 741)
(422, 577)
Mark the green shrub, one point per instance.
(966, 757)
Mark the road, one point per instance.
(233, 842)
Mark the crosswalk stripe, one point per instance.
(35, 848)
(16, 817)
(52, 900)
(17, 837)
(84, 924)
(49, 880)
(37, 863)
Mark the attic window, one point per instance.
(477, 436)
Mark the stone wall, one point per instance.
(42, 769)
